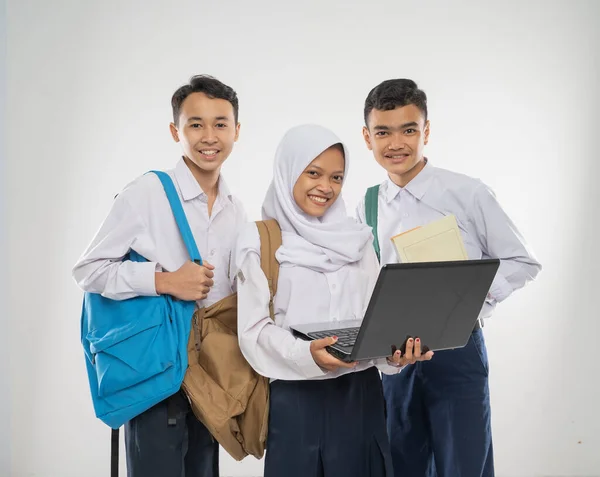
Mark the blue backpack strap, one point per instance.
(371, 206)
(180, 218)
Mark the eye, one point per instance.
(338, 178)
(313, 173)
(221, 125)
(380, 133)
(195, 125)
(410, 131)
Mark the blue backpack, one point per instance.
(136, 349)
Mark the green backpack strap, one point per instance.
(371, 204)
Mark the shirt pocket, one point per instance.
(473, 250)
(471, 244)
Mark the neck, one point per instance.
(401, 180)
(207, 180)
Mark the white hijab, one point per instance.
(322, 244)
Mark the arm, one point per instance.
(383, 365)
(360, 211)
(101, 269)
(241, 221)
(272, 351)
(500, 238)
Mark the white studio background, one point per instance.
(4, 316)
(513, 94)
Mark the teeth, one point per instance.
(209, 152)
(322, 200)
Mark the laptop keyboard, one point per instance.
(346, 336)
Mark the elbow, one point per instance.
(248, 349)
(534, 270)
(88, 278)
(80, 277)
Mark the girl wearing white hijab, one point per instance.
(326, 416)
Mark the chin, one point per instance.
(401, 169)
(313, 212)
(208, 165)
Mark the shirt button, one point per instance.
(404, 214)
(212, 252)
(334, 286)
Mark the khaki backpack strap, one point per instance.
(270, 241)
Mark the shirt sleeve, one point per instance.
(500, 238)
(101, 268)
(241, 221)
(271, 350)
(360, 211)
(386, 368)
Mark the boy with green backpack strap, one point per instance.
(438, 411)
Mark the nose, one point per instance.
(397, 143)
(324, 187)
(208, 136)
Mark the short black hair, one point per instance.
(392, 93)
(211, 87)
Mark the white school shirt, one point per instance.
(486, 230)
(303, 296)
(141, 219)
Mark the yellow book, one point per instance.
(437, 241)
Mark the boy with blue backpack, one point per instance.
(167, 439)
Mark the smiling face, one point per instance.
(206, 130)
(397, 138)
(320, 184)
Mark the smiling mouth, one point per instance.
(209, 153)
(318, 200)
(397, 157)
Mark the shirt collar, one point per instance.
(189, 187)
(416, 187)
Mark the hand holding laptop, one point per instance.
(438, 302)
(325, 360)
(412, 354)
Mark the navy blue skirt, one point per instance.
(328, 428)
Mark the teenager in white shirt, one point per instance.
(326, 416)
(205, 123)
(439, 417)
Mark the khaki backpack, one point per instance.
(225, 393)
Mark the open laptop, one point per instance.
(438, 302)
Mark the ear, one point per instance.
(367, 137)
(426, 133)
(237, 132)
(174, 132)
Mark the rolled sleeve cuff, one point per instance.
(500, 289)
(303, 358)
(386, 368)
(143, 281)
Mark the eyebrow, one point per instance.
(412, 124)
(321, 169)
(198, 118)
